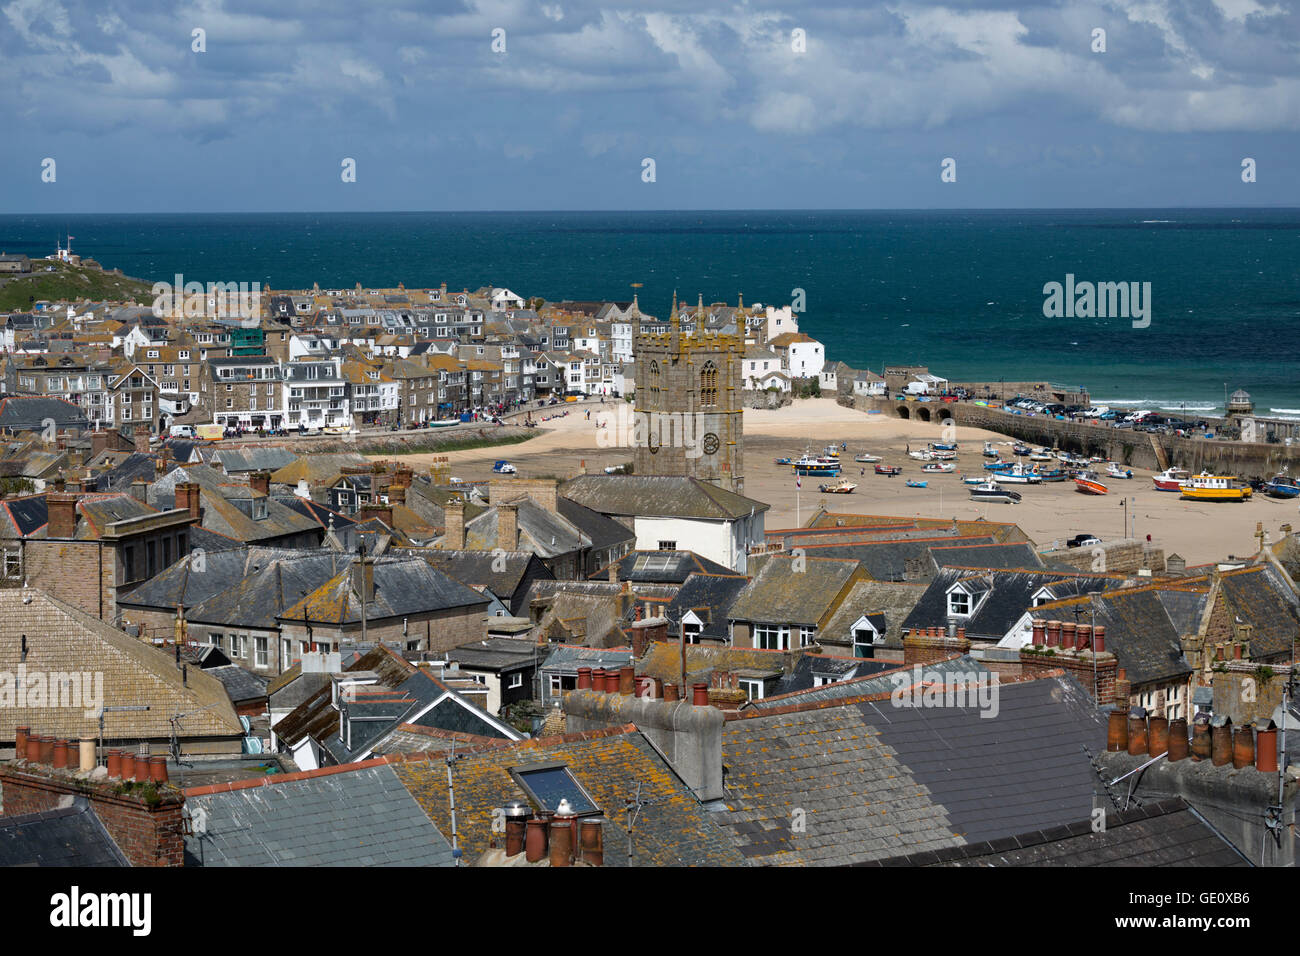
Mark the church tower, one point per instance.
(688, 403)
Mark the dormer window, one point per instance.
(1044, 596)
(959, 603)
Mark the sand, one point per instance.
(1199, 532)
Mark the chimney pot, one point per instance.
(20, 742)
(47, 749)
(584, 678)
(1221, 742)
(1266, 749)
(86, 755)
(1201, 746)
(627, 680)
(1117, 730)
(611, 681)
(1099, 638)
(1040, 637)
(33, 753)
(535, 845)
(1137, 733)
(672, 692)
(561, 841)
(115, 764)
(60, 754)
(593, 841)
(1068, 635)
(517, 814)
(1243, 748)
(1178, 739)
(158, 769)
(701, 695)
(1157, 736)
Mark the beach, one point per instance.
(1052, 512)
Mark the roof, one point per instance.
(241, 685)
(62, 639)
(873, 677)
(1163, 833)
(69, 836)
(659, 496)
(672, 829)
(1004, 597)
(359, 815)
(875, 781)
(885, 602)
(663, 659)
(710, 597)
(793, 590)
(662, 567)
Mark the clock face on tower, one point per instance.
(711, 444)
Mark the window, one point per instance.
(864, 642)
(807, 635)
(772, 637)
(691, 631)
(752, 686)
(286, 651)
(709, 385)
(259, 651)
(216, 640)
(667, 545)
(548, 783)
(959, 603)
(13, 564)
(516, 680)
(236, 645)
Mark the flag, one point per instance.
(798, 481)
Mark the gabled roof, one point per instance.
(793, 590)
(357, 815)
(710, 596)
(659, 496)
(887, 603)
(876, 780)
(68, 836)
(661, 567)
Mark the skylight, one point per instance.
(548, 783)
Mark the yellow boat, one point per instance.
(1208, 487)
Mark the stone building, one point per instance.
(689, 406)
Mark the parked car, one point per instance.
(1083, 540)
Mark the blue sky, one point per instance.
(715, 93)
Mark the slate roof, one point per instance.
(875, 781)
(70, 836)
(604, 532)
(543, 532)
(1016, 554)
(569, 657)
(1163, 833)
(1007, 595)
(710, 596)
(786, 590)
(498, 654)
(235, 461)
(882, 678)
(402, 586)
(664, 660)
(1139, 632)
(500, 572)
(28, 413)
(661, 567)
(220, 513)
(895, 559)
(240, 684)
(658, 496)
(348, 816)
(892, 601)
(1259, 596)
(673, 829)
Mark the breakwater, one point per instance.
(1130, 448)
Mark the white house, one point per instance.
(503, 299)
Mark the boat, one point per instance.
(444, 423)
(943, 456)
(997, 465)
(1171, 479)
(841, 487)
(785, 461)
(973, 480)
(1282, 486)
(1018, 474)
(920, 455)
(939, 467)
(988, 451)
(890, 470)
(866, 459)
(1114, 470)
(992, 491)
(1056, 474)
(1089, 482)
(1041, 454)
(504, 467)
(812, 465)
(831, 451)
(1208, 487)
(943, 445)
(1020, 449)
(916, 484)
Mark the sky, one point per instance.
(685, 104)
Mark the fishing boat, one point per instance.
(890, 470)
(943, 456)
(814, 466)
(920, 455)
(866, 459)
(1114, 470)
(939, 467)
(997, 465)
(992, 491)
(1089, 482)
(1040, 454)
(504, 467)
(988, 451)
(1055, 474)
(1171, 479)
(841, 487)
(785, 461)
(943, 445)
(831, 451)
(1017, 474)
(1282, 486)
(916, 484)
(1208, 487)
(444, 423)
(1020, 449)
(973, 480)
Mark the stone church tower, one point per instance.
(688, 403)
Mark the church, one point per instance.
(688, 387)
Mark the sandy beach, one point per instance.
(1198, 532)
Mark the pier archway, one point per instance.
(944, 414)
(923, 413)
(904, 411)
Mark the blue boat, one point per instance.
(943, 445)
(916, 484)
(1282, 487)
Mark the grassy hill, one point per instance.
(70, 283)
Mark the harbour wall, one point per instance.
(1130, 448)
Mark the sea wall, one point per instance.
(1133, 449)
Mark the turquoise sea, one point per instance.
(959, 291)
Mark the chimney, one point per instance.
(187, 497)
(142, 439)
(397, 495)
(98, 443)
(260, 481)
(516, 814)
(646, 631)
(454, 537)
(1040, 635)
(363, 578)
(613, 572)
(1053, 633)
(140, 490)
(62, 510)
(508, 527)
(1178, 748)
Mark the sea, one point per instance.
(960, 291)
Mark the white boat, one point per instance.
(1114, 470)
(1018, 474)
(867, 459)
(992, 491)
(920, 455)
(1171, 479)
(1042, 454)
(939, 467)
